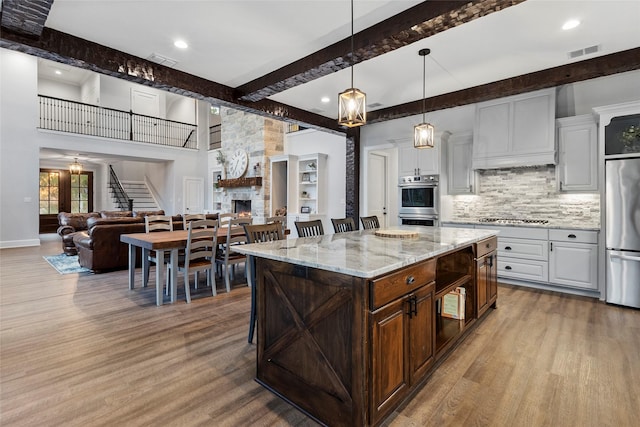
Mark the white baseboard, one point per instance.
(19, 243)
(550, 287)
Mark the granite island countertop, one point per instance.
(362, 253)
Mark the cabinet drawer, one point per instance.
(576, 236)
(394, 285)
(523, 248)
(485, 246)
(537, 271)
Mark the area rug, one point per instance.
(65, 264)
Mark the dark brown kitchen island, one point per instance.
(350, 324)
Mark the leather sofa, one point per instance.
(99, 247)
(69, 224)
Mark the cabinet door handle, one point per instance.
(490, 261)
(507, 248)
(560, 185)
(414, 304)
(571, 236)
(551, 246)
(488, 245)
(410, 280)
(508, 267)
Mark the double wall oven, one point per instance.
(419, 200)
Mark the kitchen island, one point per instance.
(350, 324)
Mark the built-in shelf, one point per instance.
(255, 181)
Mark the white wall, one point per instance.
(18, 151)
(20, 144)
(59, 90)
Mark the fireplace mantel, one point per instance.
(255, 181)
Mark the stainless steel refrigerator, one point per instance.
(622, 210)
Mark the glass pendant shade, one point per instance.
(423, 136)
(352, 108)
(75, 167)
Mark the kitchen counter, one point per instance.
(362, 253)
(349, 324)
(574, 225)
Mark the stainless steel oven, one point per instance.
(419, 200)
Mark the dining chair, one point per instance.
(341, 225)
(200, 254)
(255, 234)
(282, 220)
(370, 222)
(155, 223)
(187, 218)
(224, 218)
(309, 228)
(226, 257)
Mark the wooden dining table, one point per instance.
(161, 242)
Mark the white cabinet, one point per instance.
(418, 161)
(577, 154)
(573, 258)
(461, 178)
(515, 131)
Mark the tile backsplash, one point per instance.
(528, 192)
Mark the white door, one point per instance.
(147, 104)
(377, 187)
(193, 195)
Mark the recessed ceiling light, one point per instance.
(570, 24)
(325, 99)
(58, 72)
(180, 44)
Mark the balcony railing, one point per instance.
(75, 117)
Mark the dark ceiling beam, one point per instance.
(414, 24)
(619, 62)
(68, 49)
(25, 16)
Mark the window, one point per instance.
(80, 193)
(49, 192)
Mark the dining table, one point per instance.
(161, 242)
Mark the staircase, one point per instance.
(139, 192)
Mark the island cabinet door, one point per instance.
(487, 281)
(422, 332)
(389, 348)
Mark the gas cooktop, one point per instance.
(514, 221)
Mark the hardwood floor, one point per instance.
(83, 350)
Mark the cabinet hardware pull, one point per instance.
(571, 236)
(551, 246)
(508, 267)
(507, 248)
(488, 245)
(414, 305)
(410, 280)
(490, 261)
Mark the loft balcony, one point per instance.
(75, 117)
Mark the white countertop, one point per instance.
(362, 253)
(573, 225)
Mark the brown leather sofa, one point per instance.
(71, 223)
(99, 247)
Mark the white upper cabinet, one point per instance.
(418, 161)
(460, 176)
(515, 131)
(577, 154)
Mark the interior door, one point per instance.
(377, 193)
(193, 195)
(144, 127)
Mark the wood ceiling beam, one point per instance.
(619, 62)
(68, 49)
(25, 16)
(414, 24)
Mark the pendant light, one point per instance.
(352, 110)
(423, 134)
(75, 167)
